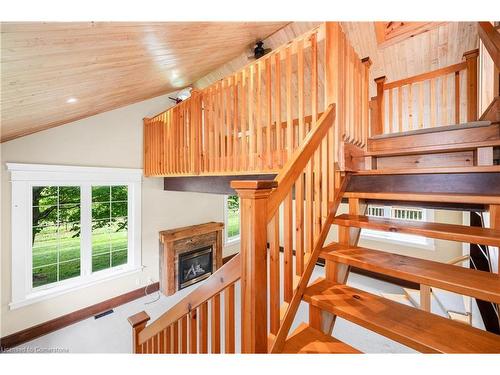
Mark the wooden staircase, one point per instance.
(342, 152)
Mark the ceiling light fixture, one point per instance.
(71, 100)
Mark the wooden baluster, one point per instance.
(161, 336)
(243, 120)
(258, 118)
(457, 97)
(314, 117)
(366, 95)
(299, 225)
(253, 208)
(184, 334)
(391, 130)
(471, 60)
(421, 105)
(400, 109)
(229, 130)
(168, 339)
(215, 324)
(444, 97)
(410, 107)
(432, 99)
(156, 343)
(288, 248)
(269, 152)
(274, 273)
(203, 333)
(236, 84)
(277, 101)
(219, 126)
(193, 332)
(251, 122)
(229, 330)
(211, 127)
(309, 188)
(289, 117)
(138, 323)
(175, 337)
(379, 123)
(341, 96)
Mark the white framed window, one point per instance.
(231, 219)
(71, 227)
(399, 213)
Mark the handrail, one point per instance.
(426, 76)
(295, 165)
(491, 40)
(218, 281)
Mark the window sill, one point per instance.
(44, 294)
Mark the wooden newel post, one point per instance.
(253, 251)
(471, 60)
(378, 124)
(138, 323)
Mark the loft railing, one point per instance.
(441, 97)
(193, 325)
(253, 120)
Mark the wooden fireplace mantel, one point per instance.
(189, 231)
(174, 242)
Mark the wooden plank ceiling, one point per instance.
(421, 51)
(106, 65)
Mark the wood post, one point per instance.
(378, 124)
(138, 323)
(425, 297)
(253, 210)
(367, 62)
(471, 60)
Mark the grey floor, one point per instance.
(112, 333)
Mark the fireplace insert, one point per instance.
(195, 266)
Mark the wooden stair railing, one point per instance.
(308, 204)
(184, 327)
(254, 119)
(399, 105)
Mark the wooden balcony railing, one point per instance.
(184, 328)
(441, 97)
(253, 120)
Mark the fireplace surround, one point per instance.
(189, 255)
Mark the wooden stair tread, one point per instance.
(437, 129)
(478, 284)
(473, 169)
(306, 340)
(451, 232)
(412, 327)
(426, 197)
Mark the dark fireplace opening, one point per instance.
(195, 266)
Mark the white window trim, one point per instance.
(233, 240)
(424, 243)
(23, 178)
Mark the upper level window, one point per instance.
(232, 218)
(72, 226)
(399, 213)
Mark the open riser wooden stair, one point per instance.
(326, 142)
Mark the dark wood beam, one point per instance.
(209, 184)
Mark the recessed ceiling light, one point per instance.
(71, 100)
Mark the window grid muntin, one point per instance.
(57, 224)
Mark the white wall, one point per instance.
(111, 139)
